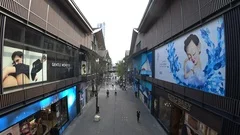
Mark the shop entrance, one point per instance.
(177, 120)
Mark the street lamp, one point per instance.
(96, 94)
(124, 67)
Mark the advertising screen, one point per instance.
(195, 60)
(21, 114)
(23, 67)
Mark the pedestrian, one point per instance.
(138, 116)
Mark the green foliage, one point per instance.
(120, 68)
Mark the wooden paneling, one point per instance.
(178, 89)
(194, 94)
(48, 15)
(11, 99)
(33, 92)
(75, 79)
(47, 88)
(60, 84)
(38, 13)
(69, 82)
(224, 104)
(16, 7)
(179, 16)
(230, 128)
(232, 36)
(208, 7)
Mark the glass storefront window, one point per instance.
(33, 37)
(49, 118)
(49, 43)
(164, 112)
(193, 126)
(14, 30)
(41, 58)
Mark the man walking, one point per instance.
(138, 116)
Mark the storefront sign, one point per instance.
(185, 105)
(64, 65)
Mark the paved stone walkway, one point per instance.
(118, 116)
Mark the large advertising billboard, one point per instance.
(23, 67)
(195, 60)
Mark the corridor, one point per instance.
(118, 116)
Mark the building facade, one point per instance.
(187, 51)
(48, 56)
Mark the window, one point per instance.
(49, 43)
(33, 37)
(14, 30)
(60, 47)
(50, 66)
(36, 57)
(165, 112)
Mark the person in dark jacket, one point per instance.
(138, 115)
(37, 66)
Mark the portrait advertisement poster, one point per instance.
(14, 130)
(23, 67)
(83, 67)
(195, 60)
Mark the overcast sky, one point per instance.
(120, 17)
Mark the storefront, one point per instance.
(145, 93)
(89, 91)
(82, 94)
(179, 117)
(51, 115)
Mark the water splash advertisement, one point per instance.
(196, 60)
(146, 66)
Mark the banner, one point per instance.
(23, 67)
(146, 67)
(84, 68)
(195, 60)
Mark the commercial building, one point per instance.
(49, 52)
(185, 60)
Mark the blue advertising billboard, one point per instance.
(18, 115)
(146, 66)
(195, 60)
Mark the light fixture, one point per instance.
(167, 104)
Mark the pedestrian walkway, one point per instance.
(118, 116)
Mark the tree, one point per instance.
(121, 69)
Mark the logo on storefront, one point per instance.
(64, 65)
(183, 104)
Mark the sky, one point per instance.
(120, 17)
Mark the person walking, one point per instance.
(138, 116)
